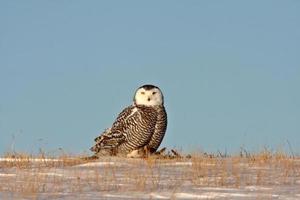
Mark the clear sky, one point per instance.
(229, 70)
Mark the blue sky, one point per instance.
(229, 70)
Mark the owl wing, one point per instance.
(160, 130)
(111, 138)
(132, 129)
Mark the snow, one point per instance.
(29, 160)
(7, 175)
(158, 196)
(50, 174)
(256, 188)
(207, 195)
(95, 164)
(123, 178)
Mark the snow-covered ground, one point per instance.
(120, 178)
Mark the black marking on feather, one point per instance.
(132, 130)
(148, 87)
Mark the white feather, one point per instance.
(153, 97)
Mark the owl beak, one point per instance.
(149, 99)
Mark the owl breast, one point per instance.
(139, 128)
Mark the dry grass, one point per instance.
(32, 176)
(23, 161)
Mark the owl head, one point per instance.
(148, 95)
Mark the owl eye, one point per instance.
(153, 93)
(143, 93)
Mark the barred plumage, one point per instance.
(160, 129)
(139, 126)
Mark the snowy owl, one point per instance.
(138, 129)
